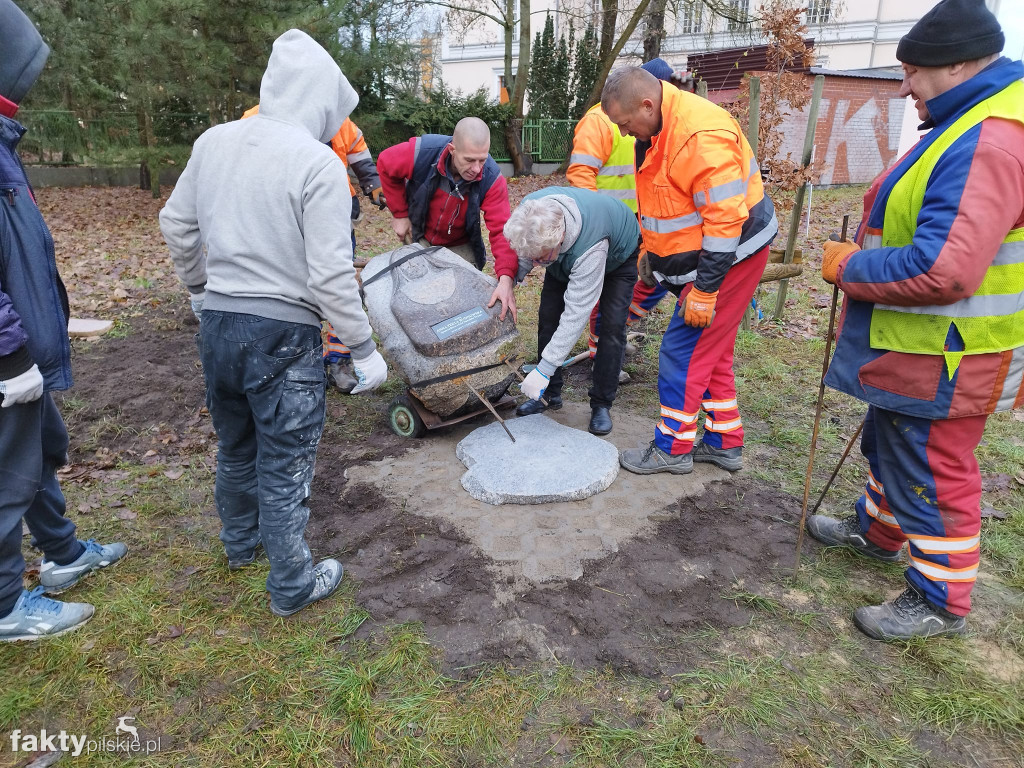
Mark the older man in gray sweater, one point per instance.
(259, 232)
(588, 244)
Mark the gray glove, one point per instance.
(197, 300)
(23, 388)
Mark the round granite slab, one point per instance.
(548, 462)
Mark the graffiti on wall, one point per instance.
(859, 141)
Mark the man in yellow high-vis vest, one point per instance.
(604, 160)
(932, 332)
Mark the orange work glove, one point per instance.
(698, 308)
(835, 254)
(644, 271)
(377, 197)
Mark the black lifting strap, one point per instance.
(462, 374)
(401, 261)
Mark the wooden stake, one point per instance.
(817, 410)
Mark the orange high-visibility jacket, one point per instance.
(602, 158)
(348, 144)
(702, 203)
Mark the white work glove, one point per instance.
(534, 384)
(370, 371)
(197, 300)
(22, 389)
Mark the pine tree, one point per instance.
(542, 92)
(586, 68)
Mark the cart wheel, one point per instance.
(404, 420)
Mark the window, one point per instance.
(689, 19)
(738, 11)
(819, 11)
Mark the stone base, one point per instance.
(547, 462)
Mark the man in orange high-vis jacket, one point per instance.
(706, 224)
(603, 160)
(350, 146)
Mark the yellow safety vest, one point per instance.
(616, 177)
(992, 320)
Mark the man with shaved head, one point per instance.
(706, 225)
(436, 188)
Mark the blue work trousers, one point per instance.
(265, 390)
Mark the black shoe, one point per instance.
(729, 459)
(236, 563)
(847, 533)
(600, 420)
(531, 407)
(907, 617)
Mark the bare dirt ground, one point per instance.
(142, 393)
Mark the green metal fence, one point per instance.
(548, 141)
(57, 137)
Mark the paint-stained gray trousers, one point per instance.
(265, 390)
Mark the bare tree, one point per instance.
(463, 15)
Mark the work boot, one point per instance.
(56, 578)
(729, 459)
(907, 617)
(630, 349)
(624, 377)
(326, 579)
(36, 616)
(649, 460)
(531, 407)
(600, 420)
(340, 376)
(847, 533)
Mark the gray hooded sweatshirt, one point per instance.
(260, 216)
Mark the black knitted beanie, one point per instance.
(952, 31)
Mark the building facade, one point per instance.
(848, 34)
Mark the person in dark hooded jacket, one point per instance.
(35, 359)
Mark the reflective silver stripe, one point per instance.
(753, 167)
(758, 240)
(359, 156)
(719, 244)
(1012, 382)
(581, 159)
(720, 193)
(615, 170)
(619, 194)
(689, 277)
(872, 241)
(662, 226)
(1009, 253)
(995, 305)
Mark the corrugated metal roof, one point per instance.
(724, 69)
(875, 73)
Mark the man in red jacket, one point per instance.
(436, 188)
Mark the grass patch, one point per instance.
(191, 650)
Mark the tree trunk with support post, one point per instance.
(798, 204)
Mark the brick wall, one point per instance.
(858, 130)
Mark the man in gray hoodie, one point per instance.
(258, 229)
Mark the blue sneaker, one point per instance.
(36, 616)
(326, 579)
(57, 578)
